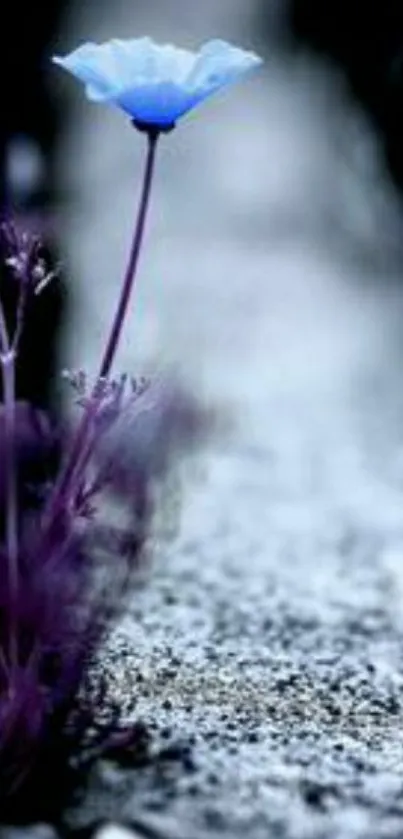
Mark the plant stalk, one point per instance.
(8, 359)
(59, 498)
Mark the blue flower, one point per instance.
(155, 84)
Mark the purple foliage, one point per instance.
(139, 446)
(65, 599)
(46, 632)
(37, 454)
(53, 629)
(64, 570)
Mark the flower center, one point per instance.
(153, 127)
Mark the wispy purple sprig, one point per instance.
(113, 399)
(24, 259)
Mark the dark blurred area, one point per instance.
(29, 126)
(29, 118)
(364, 40)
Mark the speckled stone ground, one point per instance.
(266, 667)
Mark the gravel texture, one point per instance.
(265, 668)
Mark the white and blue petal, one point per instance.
(156, 84)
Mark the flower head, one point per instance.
(155, 84)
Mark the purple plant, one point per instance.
(56, 601)
(56, 596)
(53, 609)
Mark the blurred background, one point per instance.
(272, 275)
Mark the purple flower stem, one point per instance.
(59, 498)
(130, 274)
(7, 359)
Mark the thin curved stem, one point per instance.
(130, 275)
(68, 472)
(7, 359)
(8, 365)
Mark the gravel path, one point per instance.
(265, 661)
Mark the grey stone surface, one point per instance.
(270, 663)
